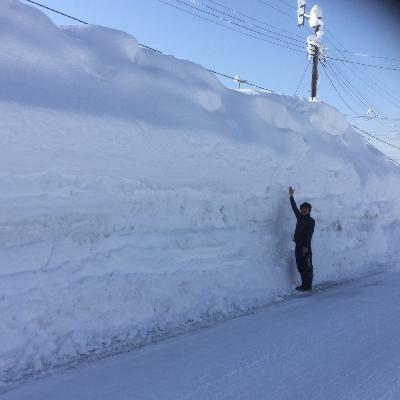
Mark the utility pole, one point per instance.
(315, 48)
(239, 80)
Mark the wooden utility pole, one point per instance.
(314, 76)
(314, 42)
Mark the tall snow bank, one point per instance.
(140, 197)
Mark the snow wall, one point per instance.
(140, 197)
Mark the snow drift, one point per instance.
(139, 196)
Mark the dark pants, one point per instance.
(304, 266)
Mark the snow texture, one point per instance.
(340, 343)
(140, 197)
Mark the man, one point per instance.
(302, 237)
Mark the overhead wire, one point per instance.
(350, 88)
(394, 160)
(287, 4)
(230, 77)
(254, 19)
(336, 90)
(230, 28)
(354, 93)
(362, 73)
(294, 45)
(369, 134)
(354, 53)
(246, 21)
(385, 92)
(58, 12)
(384, 121)
(153, 49)
(302, 77)
(365, 65)
(372, 134)
(275, 8)
(358, 54)
(281, 40)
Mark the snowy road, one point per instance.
(341, 343)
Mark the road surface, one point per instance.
(342, 343)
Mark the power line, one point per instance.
(150, 48)
(336, 90)
(363, 73)
(84, 22)
(353, 92)
(247, 22)
(362, 76)
(246, 83)
(261, 1)
(229, 28)
(355, 53)
(153, 49)
(370, 134)
(228, 76)
(287, 4)
(366, 81)
(292, 44)
(394, 160)
(387, 93)
(302, 77)
(363, 99)
(275, 8)
(357, 95)
(358, 54)
(237, 24)
(254, 19)
(379, 117)
(58, 12)
(365, 65)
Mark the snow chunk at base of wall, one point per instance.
(139, 197)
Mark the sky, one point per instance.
(233, 37)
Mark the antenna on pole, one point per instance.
(315, 49)
(239, 80)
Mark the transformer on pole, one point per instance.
(315, 49)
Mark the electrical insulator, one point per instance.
(322, 53)
(301, 10)
(314, 46)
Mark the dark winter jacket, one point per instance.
(304, 227)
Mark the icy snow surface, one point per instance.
(140, 197)
(338, 344)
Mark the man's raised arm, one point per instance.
(293, 203)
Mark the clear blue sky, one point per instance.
(365, 26)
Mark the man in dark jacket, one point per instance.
(302, 237)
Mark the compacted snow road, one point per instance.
(339, 343)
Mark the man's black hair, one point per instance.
(308, 205)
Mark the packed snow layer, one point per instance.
(140, 197)
(338, 344)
